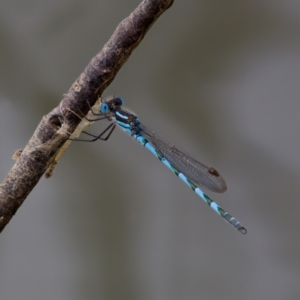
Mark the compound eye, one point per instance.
(121, 99)
(104, 108)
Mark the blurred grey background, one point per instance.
(219, 80)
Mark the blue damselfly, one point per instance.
(188, 169)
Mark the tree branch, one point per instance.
(54, 129)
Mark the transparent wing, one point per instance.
(195, 171)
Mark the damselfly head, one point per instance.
(111, 105)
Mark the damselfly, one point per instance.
(188, 169)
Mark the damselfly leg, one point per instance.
(110, 128)
(83, 116)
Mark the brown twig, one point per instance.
(52, 132)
